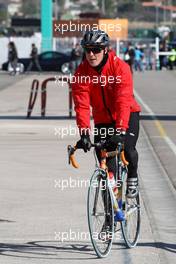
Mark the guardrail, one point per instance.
(33, 96)
(34, 93)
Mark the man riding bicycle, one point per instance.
(107, 87)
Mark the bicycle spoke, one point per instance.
(130, 228)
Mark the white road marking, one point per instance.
(157, 123)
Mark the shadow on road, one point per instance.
(6, 221)
(160, 245)
(48, 250)
(67, 250)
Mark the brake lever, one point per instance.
(70, 151)
(71, 158)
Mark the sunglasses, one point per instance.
(94, 50)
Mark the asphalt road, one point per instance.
(43, 200)
(156, 93)
(7, 80)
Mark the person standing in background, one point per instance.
(172, 59)
(34, 59)
(138, 59)
(12, 57)
(162, 57)
(129, 56)
(132, 55)
(149, 57)
(76, 56)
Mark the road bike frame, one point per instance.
(130, 226)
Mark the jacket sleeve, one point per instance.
(81, 98)
(123, 94)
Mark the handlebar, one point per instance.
(101, 146)
(71, 150)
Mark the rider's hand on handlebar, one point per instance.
(119, 137)
(85, 142)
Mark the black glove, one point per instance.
(85, 142)
(119, 137)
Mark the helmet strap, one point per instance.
(102, 63)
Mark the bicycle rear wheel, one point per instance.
(100, 214)
(131, 225)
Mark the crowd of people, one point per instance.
(13, 59)
(144, 57)
(139, 58)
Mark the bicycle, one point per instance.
(103, 204)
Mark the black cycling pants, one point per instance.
(102, 131)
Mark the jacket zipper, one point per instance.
(105, 105)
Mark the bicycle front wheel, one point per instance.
(100, 214)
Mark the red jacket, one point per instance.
(110, 93)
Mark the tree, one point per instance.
(3, 13)
(108, 7)
(31, 8)
(60, 7)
